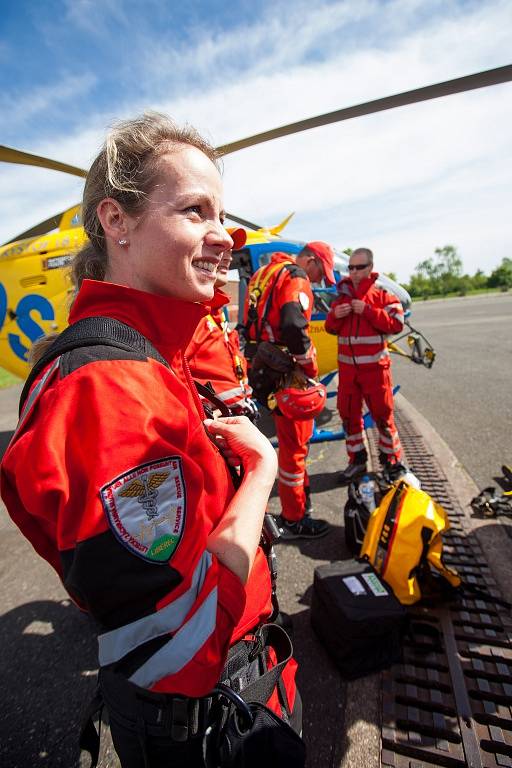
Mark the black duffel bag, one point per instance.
(357, 617)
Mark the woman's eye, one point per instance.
(193, 209)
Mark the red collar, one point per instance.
(363, 287)
(168, 323)
(220, 299)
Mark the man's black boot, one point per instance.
(393, 471)
(352, 472)
(307, 528)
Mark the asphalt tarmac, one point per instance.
(467, 395)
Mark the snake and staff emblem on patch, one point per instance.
(146, 508)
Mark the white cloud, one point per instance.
(16, 109)
(93, 16)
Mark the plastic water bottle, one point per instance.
(367, 492)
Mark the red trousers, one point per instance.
(375, 386)
(293, 478)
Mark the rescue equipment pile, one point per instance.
(488, 503)
(359, 606)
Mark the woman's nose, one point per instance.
(221, 238)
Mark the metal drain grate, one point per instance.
(450, 705)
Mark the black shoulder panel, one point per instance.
(114, 585)
(91, 332)
(76, 358)
(295, 271)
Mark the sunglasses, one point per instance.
(357, 266)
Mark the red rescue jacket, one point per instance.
(113, 480)
(214, 355)
(284, 309)
(362, 338)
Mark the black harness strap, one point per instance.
(253, 319)
(93, 332)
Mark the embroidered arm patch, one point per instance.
(146, 508)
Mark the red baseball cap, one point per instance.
(238, 235)
(325, 253)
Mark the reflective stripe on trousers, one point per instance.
(293, 437)
(376, 388)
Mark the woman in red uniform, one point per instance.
(214, 353)
(115, 475)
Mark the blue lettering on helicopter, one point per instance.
(3, 305)
(27, 325)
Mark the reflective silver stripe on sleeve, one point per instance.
(182, 648)
(362, 359)
(361, 339)
(393, 307)
(229, 393)
(29, 402)
(113, 645)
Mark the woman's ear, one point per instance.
(113, 220)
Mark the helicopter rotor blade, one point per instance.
(39, 229)
(458, 85)
(10, 155)
(243, 222)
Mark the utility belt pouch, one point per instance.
(245, 733)
(250, 349)
(269, 366)
(357, 617)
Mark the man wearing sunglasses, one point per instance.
(362, 316)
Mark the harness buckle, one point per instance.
(258, 647)
(180, 720)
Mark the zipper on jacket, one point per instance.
(195, 394)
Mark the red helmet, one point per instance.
(301, 404)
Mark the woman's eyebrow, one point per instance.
(194, 196)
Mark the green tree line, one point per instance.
(444, 273)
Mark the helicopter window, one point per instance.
(323, 298)
(266, 257)
(241, 262)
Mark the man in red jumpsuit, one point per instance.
(214, 354)
(284, 306)
(362, 316)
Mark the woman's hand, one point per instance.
(242, 443)
(234, 541)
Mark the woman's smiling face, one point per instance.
(175, 246)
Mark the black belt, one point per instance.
(182, 718)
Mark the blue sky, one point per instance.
(402, 182)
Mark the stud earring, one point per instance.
(122, 242)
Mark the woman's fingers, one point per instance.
(243, 440)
